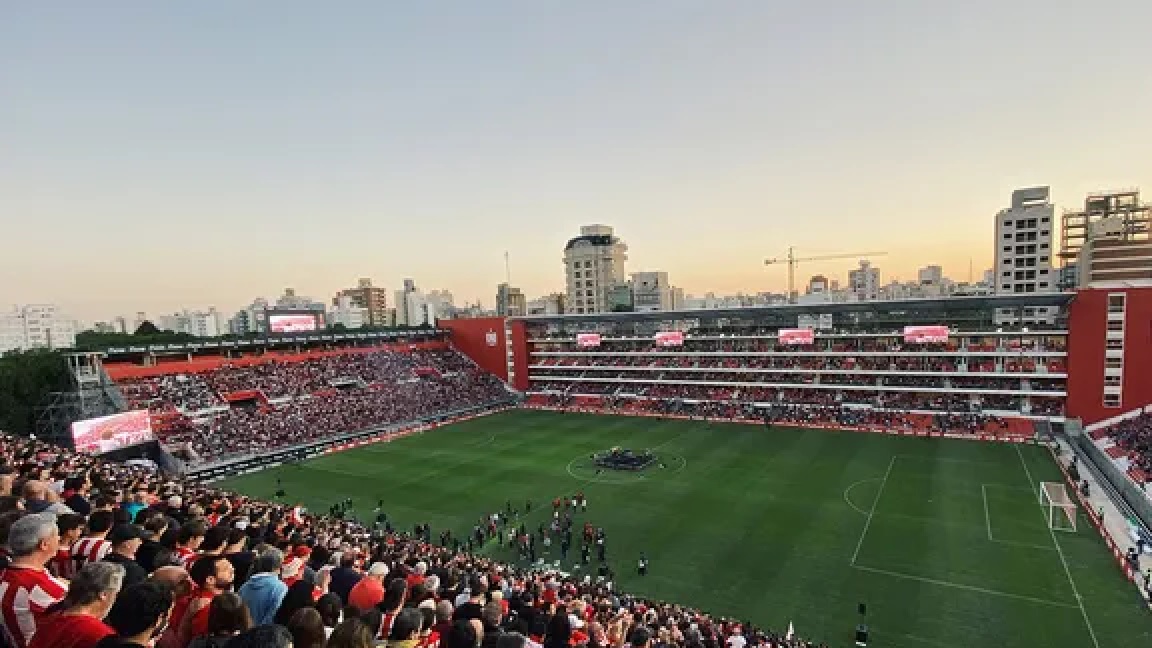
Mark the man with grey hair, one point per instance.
(28, 588)
(79, 618)
(264, 591)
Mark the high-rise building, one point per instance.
(443, 302)
(1117, 251)
(36, 326)
(414, 308)
(510, 301)
(864, 281)
(931, 275)
(199, 323)
(1107, 241)
(252, 319)
(348, 314)
(619, 298)
(651, 292)
(372, 299)
(593, 265)
(552, 304)
(291, 301)
(1024, 253)
(120, 325)
(1121, 205)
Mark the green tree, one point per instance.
(26, 380)
(147, 328)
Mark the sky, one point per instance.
(156, 156)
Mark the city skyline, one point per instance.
(163, 158)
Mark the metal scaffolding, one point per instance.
(92, 395)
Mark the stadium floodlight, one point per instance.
(1061, 509)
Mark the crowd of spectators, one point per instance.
(275, 378)
(900, 399)
(105, 555)
(240, 430)
(1009, 375)
(1134, 435)
(642, 361)
(308, 399)
(891, 417)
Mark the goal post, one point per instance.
(1059, 506)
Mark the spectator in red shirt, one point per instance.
(77, 621)
(188, 540)
(71, 526)
(211, 575)
(417, 575)
(369, 592)
(28, 589)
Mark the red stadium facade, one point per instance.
(1090, 366)
(1109, 328)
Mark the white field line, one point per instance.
(1060, 552)
(872, 511)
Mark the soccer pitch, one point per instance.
(944, 540)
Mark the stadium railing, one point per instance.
(1132, 493)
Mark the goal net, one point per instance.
(1060, 507)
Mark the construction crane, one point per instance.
(792, 260)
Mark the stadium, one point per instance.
(901, 473)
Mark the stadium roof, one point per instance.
(943, 305)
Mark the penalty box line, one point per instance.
(988, 524)
(969, 588)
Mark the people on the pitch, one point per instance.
(642, 565)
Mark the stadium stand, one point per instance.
(227, 408)
(181, 547)
(1132, 441)
(981, 383)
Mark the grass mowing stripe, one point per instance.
(1060, 552)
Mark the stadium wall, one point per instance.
(486, 340)
(1087, 352)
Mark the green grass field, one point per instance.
(944, 540)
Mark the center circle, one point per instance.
(585, 469)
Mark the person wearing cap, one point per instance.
(369, 592)
(126, 539)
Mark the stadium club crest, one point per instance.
(490, 338)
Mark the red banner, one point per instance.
(796, 336)
(588, 339)
(670, 338)
(926, 334)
